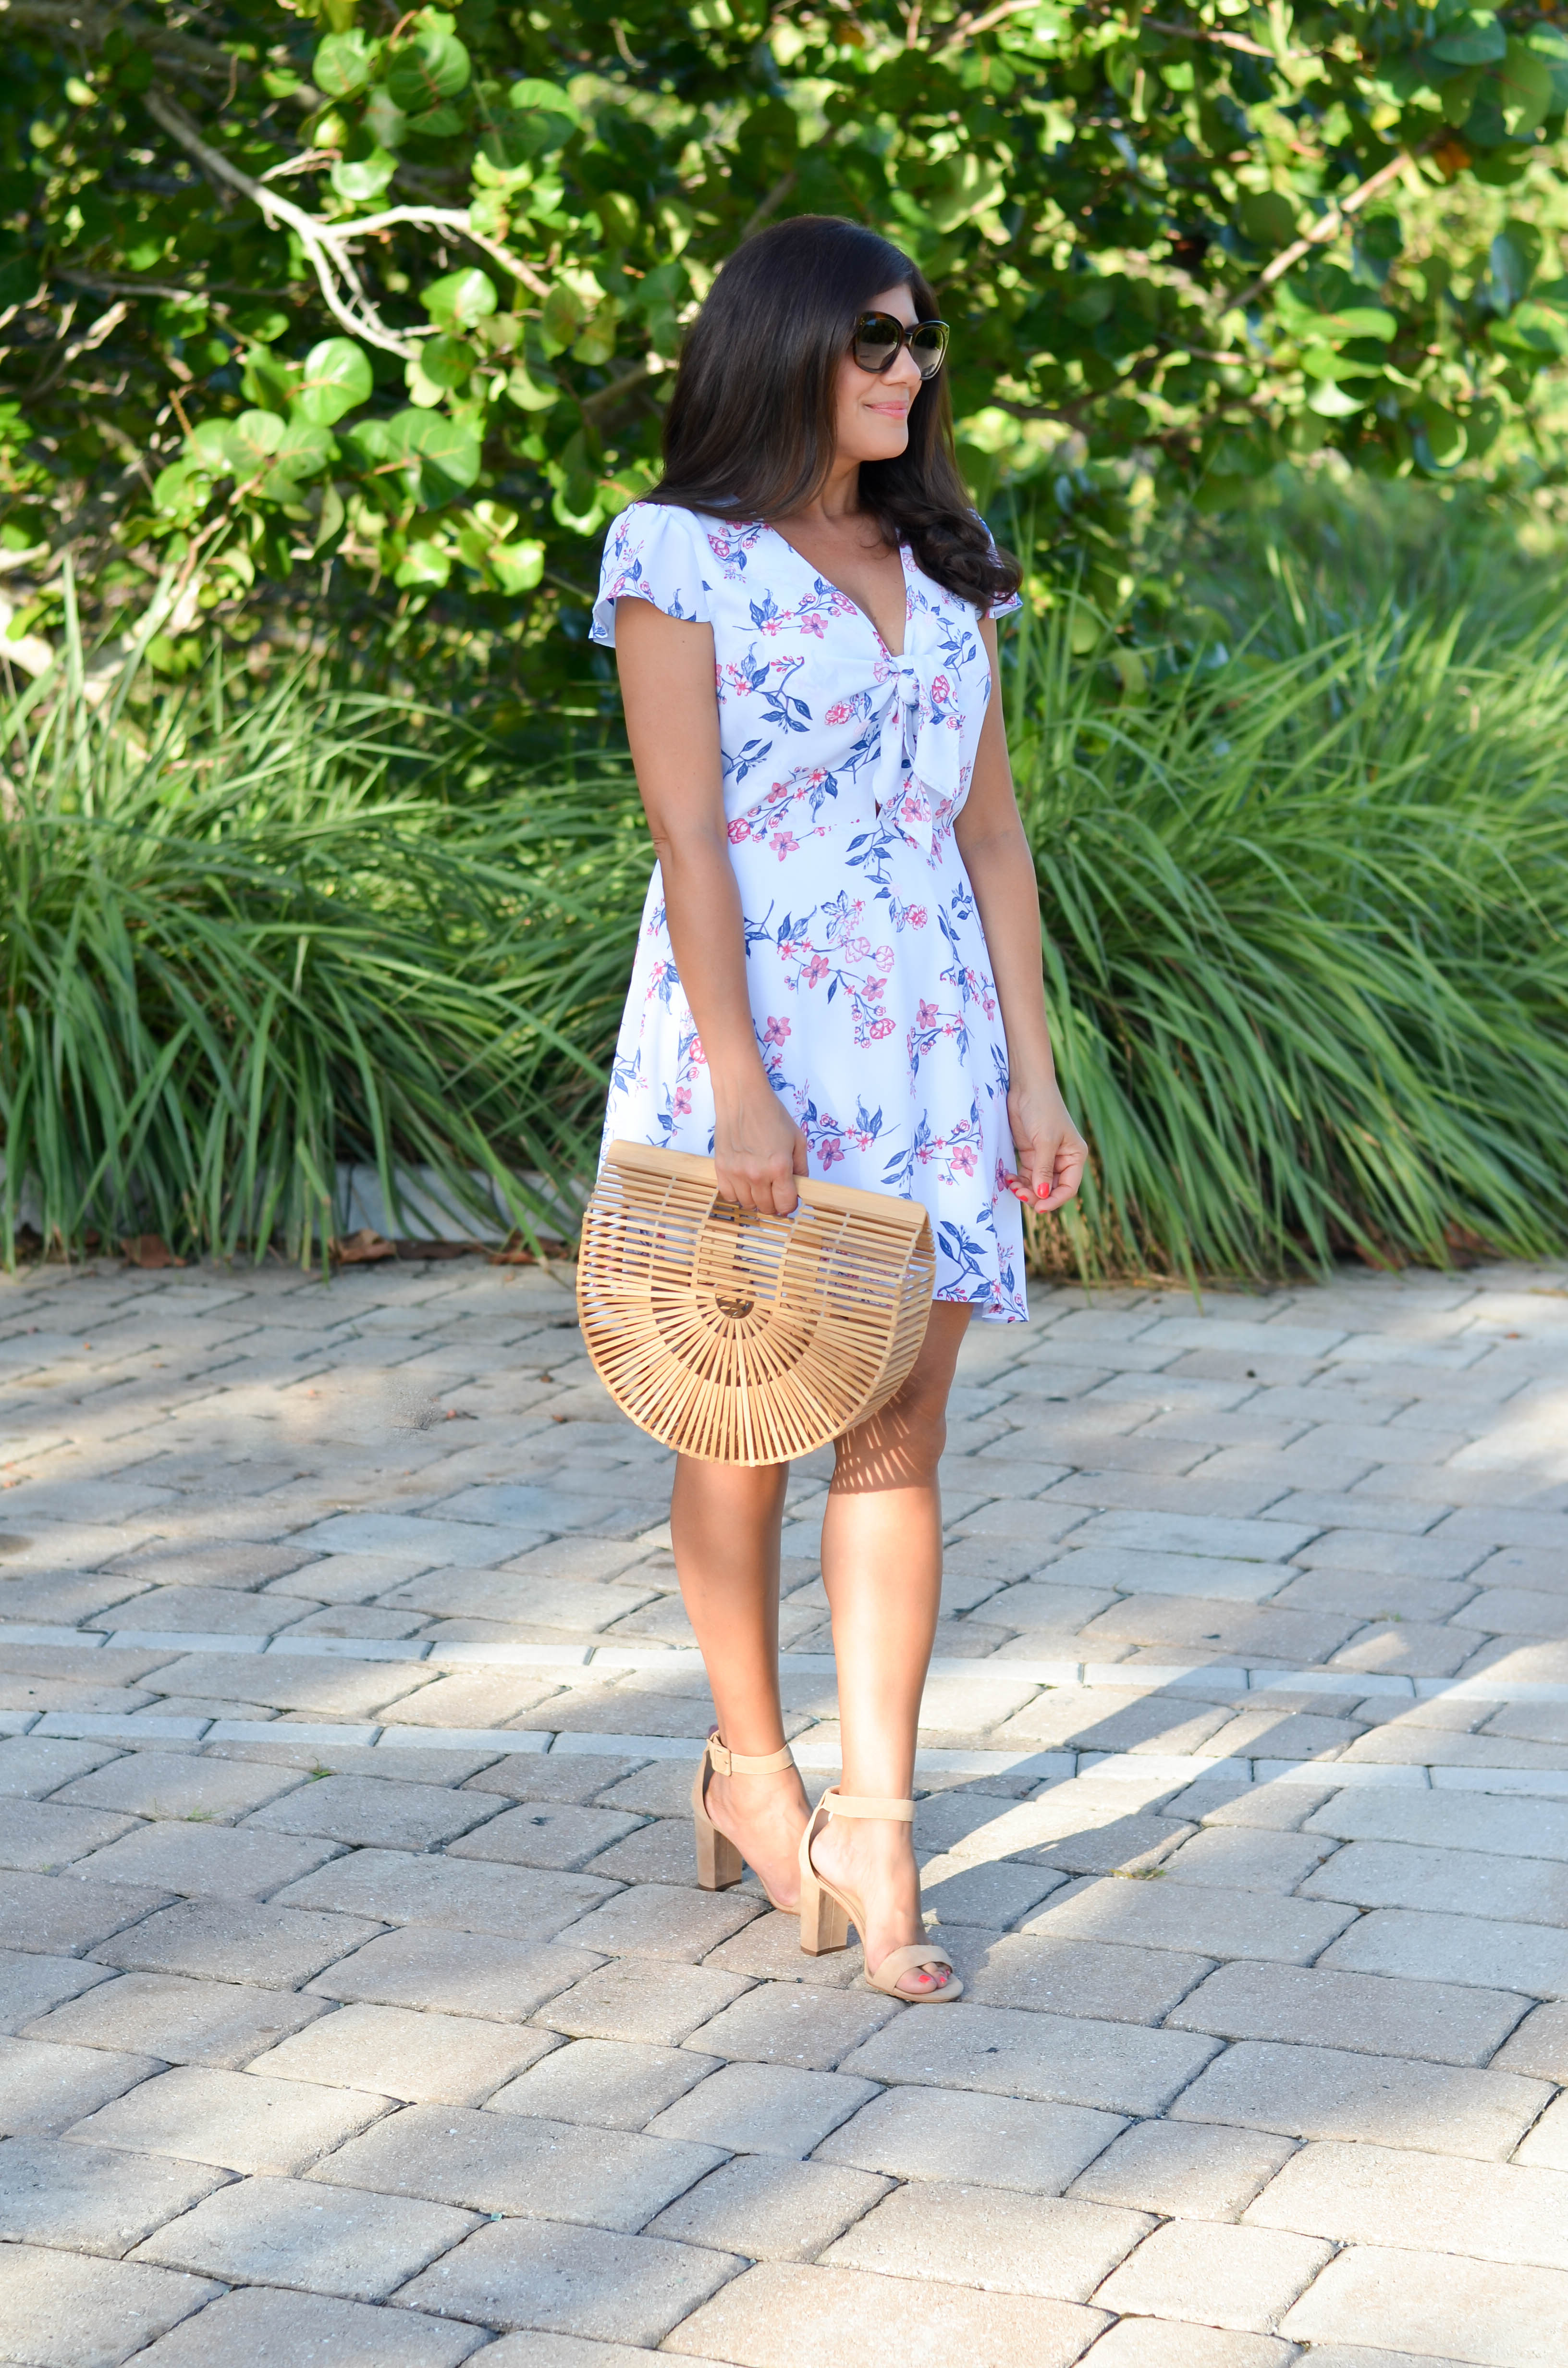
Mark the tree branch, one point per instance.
(452, 218)
(1321, 233)
(324, 242)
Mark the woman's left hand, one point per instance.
(1048, 1149)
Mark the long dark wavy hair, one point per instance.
(749, 433)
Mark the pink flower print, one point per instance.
(784, 844)
(941, 691)
(683, 1101)
(917, 917)
(838, 714)
(829, 1152)
(776, 1033)
(816, 970)
(881, 1026)
(928, 1014)
(963, 1159)
(738, 832)
(696, 1054)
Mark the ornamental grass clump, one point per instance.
(1305, 907)
(257, 935)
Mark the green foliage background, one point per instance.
(370, 312)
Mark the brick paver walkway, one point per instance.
(362, 2011)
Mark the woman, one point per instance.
(839, 972)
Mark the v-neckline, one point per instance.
(856, 605)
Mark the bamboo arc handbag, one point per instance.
(741, 1338)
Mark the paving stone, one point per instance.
(475, 1545)
(31, 1766)
(1446, 1821)
(1274, 1807)
(1191, 2170)
(1090, 1977)
(533, 2350)
(1326, 2092)
(476, 1697)
(403, 1887)
(40, 1836)
(69, 2310)
(1531, 1957)
(1106, 1719)
(768, 1948)
(231, 2119)
(91, 2198)
(787, 2024)
(456, 1974)
(766, 2108)
(1435, 2303)
(613, 2084)
(771, 2209)
(564, 1835)
(572, 2282)
(31, 1985)
(509, 2163)
(1315, 2008)
(532, 1776)
(207, 1861)
(288, 2231)
(991, 2237)
(1247, 1860)
(1112, 2066)
(1236, 2277)
(1151, 2343)
(221, 2023)
(1200, 1919)
(662, 1921)
(361, 1809)
(1546, 2144)
(1465, 1883)
(952, 2134)
(1126, 1844)
(326, 1689)
(242, 1566)
(256, 2326)
(179, 1785)
(421, 2058)
(207, 1611)
(1539, 2046)
(780, 2315)
(641, 2000)
(1296, 1638)
(229, 1941)
(45, 2090)
(1383, 2195)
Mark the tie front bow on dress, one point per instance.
(920, 773)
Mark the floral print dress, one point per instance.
(871, 993)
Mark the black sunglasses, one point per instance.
(879, 337)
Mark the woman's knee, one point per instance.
(899, 1447)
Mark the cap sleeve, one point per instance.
(653, 551)
(1003, 607)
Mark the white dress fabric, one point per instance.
(870, 988)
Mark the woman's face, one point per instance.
(873, 409)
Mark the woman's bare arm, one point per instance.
(672, 720)
(1049, 1150)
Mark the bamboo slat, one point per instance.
(740, 1338)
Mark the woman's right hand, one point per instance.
(758, 1151)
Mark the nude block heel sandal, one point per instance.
(827, 1913)
(719, 1860)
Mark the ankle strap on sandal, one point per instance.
(861, 1804)
(725, 1762)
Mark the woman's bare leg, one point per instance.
(724, 1522)
(881, 1556)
